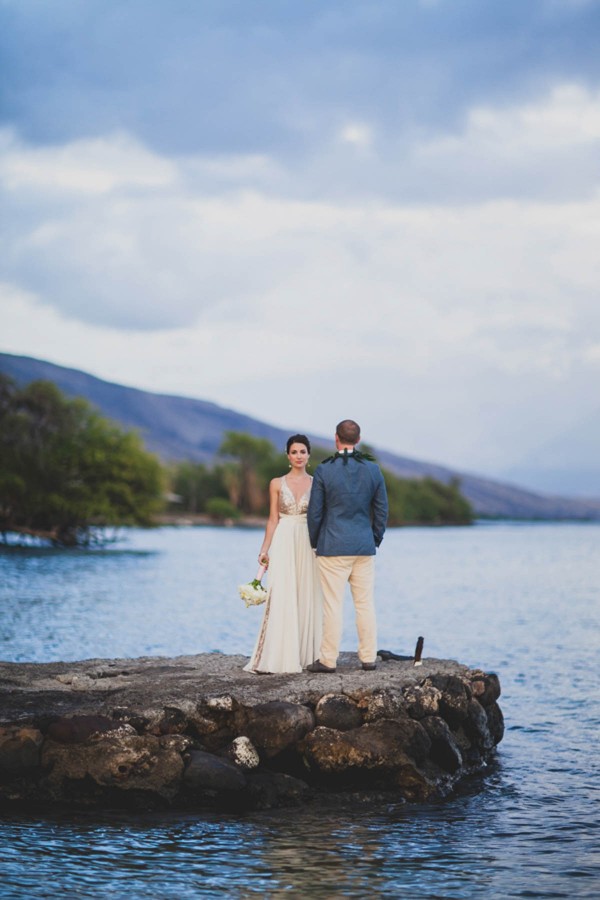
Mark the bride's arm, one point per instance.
(272, 521)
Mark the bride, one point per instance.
(290, 633)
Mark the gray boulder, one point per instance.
(206, 772)
(338, 711)
(275, 726)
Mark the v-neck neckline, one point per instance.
(297, 500)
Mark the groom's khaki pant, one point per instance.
(359, 572)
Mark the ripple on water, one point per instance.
(519, 600)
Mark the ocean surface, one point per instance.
(521, 600)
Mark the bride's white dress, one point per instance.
(290, 635)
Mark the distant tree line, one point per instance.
(67, 473)
(239, 486)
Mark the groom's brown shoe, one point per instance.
(318, 666)
(369, 667)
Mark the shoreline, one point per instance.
(201, 519)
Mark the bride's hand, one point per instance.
(263, 560)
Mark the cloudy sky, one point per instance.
(313, 209)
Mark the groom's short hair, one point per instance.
(348, 431)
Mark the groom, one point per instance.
(347, 515)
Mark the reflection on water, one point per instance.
(520, 600)
(483, 843)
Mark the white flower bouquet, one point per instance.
(253, 593)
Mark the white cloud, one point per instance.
(547, 149)
(568, 117)
(591, 353)
(357, 134)
(226, 278)
(85, 167)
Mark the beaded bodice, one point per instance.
(287, 502)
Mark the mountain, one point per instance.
(178, 428)
(571, 459)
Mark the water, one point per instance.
(521, 600)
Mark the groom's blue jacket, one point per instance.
(348, 508)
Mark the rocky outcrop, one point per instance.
(200, 732)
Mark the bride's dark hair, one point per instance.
(297, 439)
